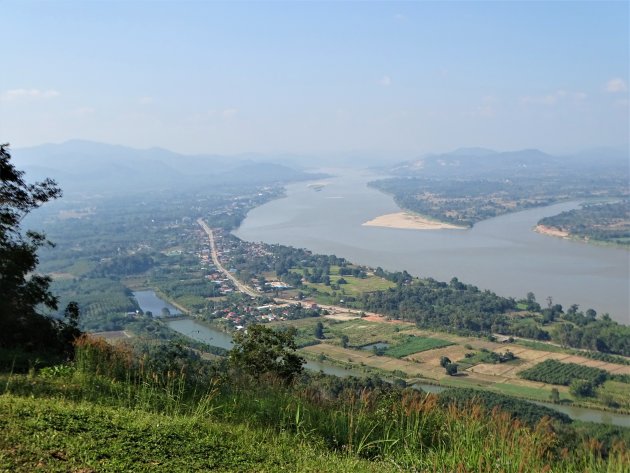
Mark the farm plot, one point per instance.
(365, 358)
(555, 372)
(411, 345)
(532, 357)
(362, 332)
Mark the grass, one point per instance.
(354, 286)
(614, 393)
(109, 412)
(541, 346)
(363, 332)
(412, 345)
(537, 394)
(58, 436)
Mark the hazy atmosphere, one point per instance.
(390, 79)
(324, 236)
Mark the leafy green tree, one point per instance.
(444, 361)
(23, 291)
(451, 369)
(344, 341)
(319, 330)
(555, 395)
(261, 350)
(582, 388)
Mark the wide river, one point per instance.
(502, 254)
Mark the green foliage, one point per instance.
(434, 304)
(97, 298)
(261, 350)
(582, 388)
(411, 344)
(124, 265)
(555, 372)
(23, 291)
(606, 222)
(527, 412)
(486, 356)
(453, 194)
(319, 330)
(451, 369)
(122, 410)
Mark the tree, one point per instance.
(451, 369)
(555, 395)
(319, 330)
(581, 388)
(344, 341)
(261, 350)
(24, 292)
(444, 361)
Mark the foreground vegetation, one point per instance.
(117, 409)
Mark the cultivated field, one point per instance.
(423, 360)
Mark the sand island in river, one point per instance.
(410, 221)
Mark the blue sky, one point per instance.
(384, 78)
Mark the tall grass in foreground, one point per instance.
(408, 429)
(115, 373)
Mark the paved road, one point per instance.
(250, 291)
(215, 259)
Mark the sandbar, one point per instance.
(545, 230)
(405, 220)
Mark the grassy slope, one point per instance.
(56, 435)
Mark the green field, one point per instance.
(362, 332)
(413, 345)
(534, 345)
(555, 372)
(354, 286)
(614, 393)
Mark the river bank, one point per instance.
(501, 254)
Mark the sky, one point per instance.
(317, 77)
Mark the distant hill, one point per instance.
(90, 167)
(472, 163)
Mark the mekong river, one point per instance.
(502, 254)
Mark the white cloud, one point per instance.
(616, 85)
(17, 94)
(385, 81)
(229, 113)
(146, 100)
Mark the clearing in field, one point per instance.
(353, 285)
(362, 332)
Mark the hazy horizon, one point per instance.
(390, 79)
